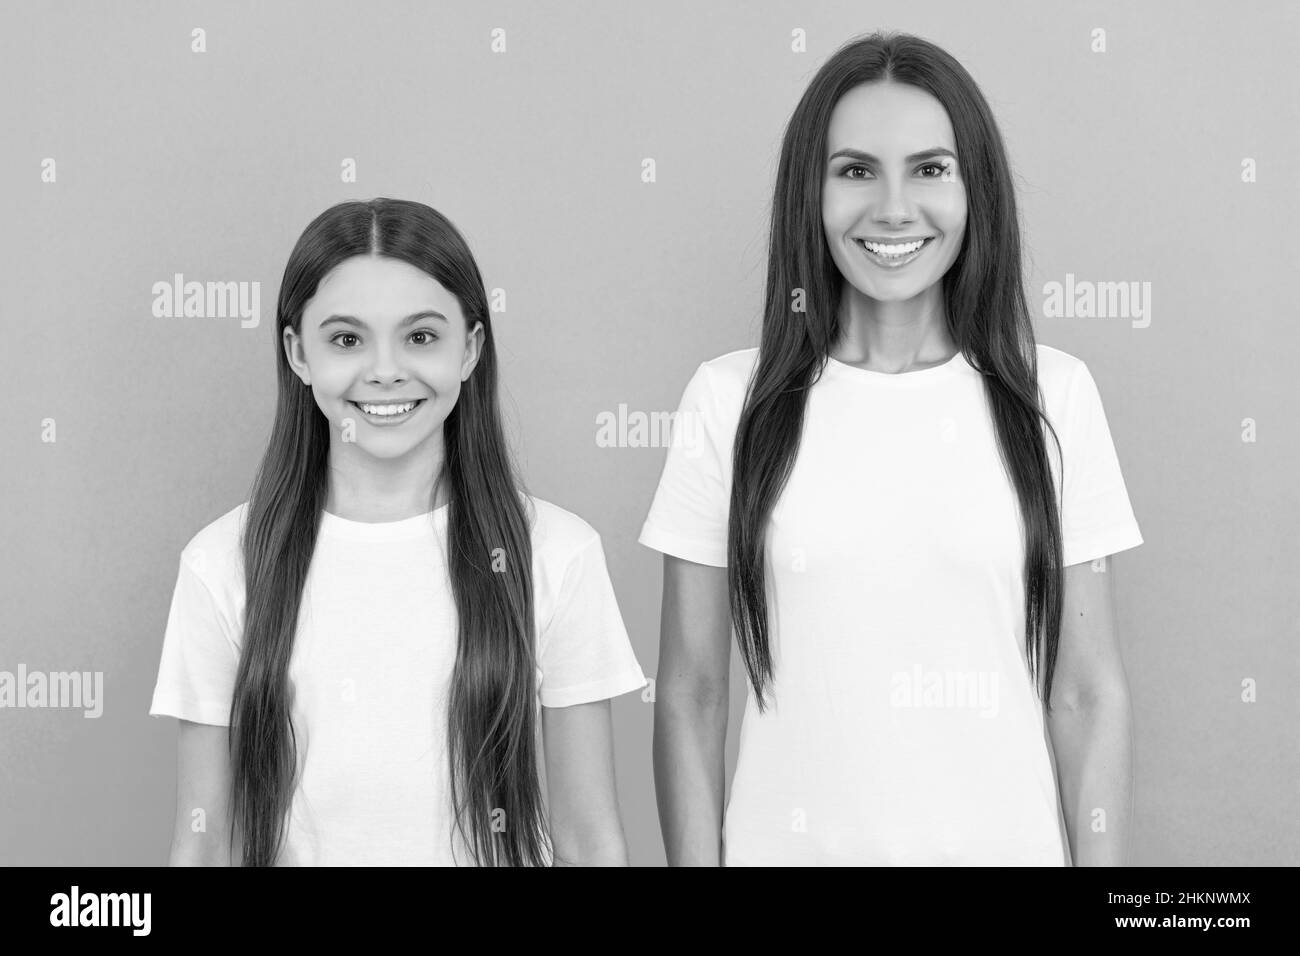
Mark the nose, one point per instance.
(896, 206)
(386, 367)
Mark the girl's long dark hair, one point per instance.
(987, 316)
(491, 722)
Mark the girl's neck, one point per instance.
(375, 510)
(362, 488)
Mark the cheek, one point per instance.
(449, 390)
(839, 255)
(442, 375)
(954, 234)
(838, 212)
(838, 218)
(949, 212)
(331, 381)
(448, 369)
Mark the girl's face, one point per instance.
(893, 200)
(385, 348)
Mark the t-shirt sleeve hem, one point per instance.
(595, 690)
(199, 712)
(1101, 543)
(679, 546)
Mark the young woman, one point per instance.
(874, 506)
(361, 654)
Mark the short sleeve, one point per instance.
(1096, 516)
(584, 652)
(688, 516)
(200, 658)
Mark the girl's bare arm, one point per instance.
(201, 833)
(578, 742)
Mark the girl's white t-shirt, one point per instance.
(371, 667)
(903, 727)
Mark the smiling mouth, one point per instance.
(387, 410)
(893, 254)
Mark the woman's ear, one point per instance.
(473, 348)
(293, 352)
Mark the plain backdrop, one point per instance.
(1129, 166)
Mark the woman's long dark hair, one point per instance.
(987, 317)
(491, 721)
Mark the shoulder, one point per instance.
(717, 389)
(1058, 372)
(1056, 366)
(557, 534)
(729, 373)
(567, 551)
(214, 553)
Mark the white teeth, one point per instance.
(903, 249)
(387, 409)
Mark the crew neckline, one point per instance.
(416, 526)
(922, 376)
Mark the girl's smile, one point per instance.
(388, 413)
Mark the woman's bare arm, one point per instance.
(1090, 722)
(691, 699)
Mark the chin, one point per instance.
(382, 449)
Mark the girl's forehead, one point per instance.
(378, 288)
(378, 272)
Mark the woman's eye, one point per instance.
(343, 335)
(938, 168)
(428, 334)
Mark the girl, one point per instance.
(873, 506)
(378, 625)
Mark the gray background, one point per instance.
(1129, 169)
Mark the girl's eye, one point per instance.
(849, 169)
(936, 166)
(432, 337)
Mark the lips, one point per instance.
(382, 412)
(894, 261)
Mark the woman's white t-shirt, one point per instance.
(902, 727)
(371, 667)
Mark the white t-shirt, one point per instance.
(371, 668)
(904, 728)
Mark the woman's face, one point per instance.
(893, 200)
(378, 337)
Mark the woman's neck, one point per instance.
(893, 337)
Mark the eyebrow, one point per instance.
(914, 158)
(353, 321)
